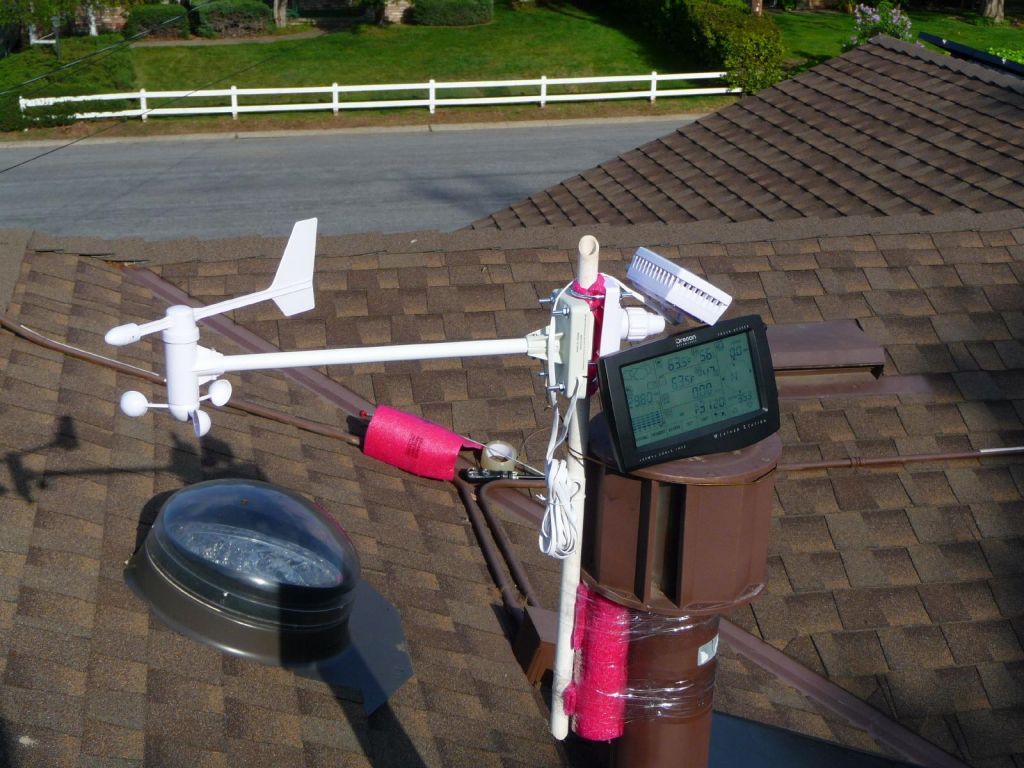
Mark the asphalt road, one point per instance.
(210, 187)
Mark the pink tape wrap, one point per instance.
(599, 696)
(414, 444)
(594, 296)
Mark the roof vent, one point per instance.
(250, 568)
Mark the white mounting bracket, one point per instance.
(574, 334)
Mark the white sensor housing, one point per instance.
(675, 291)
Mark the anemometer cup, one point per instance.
(134, 404)
(123, 335)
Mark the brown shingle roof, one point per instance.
(902, 585)
(886, 129)
(89, 677)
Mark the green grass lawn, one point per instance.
(112, 68)
(553, 41)
(557, 40)
(813, 36)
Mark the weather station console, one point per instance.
(704, 391)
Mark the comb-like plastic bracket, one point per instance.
(675, 291)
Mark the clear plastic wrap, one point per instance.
(634, 664)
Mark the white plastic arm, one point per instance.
(355, 355)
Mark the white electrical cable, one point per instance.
(558, 535)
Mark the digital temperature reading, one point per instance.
(705, 391)
(689, 389)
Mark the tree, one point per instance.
(90, 16)
(40, 13)
(281, 13)
(992, 9)
(36, 12)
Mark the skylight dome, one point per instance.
(250, 568)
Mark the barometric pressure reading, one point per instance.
(690, 388)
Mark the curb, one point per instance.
(6, 144)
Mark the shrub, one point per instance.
(1010, 54)
(11, 118)
(110, 72)
(754, 60)
(164, 20)
(452, 13)
(885, 19)
(233, 18)
(716, 34)
(748, 47)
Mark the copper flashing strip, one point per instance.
(852, 462)
(884, 729)
(312, 379)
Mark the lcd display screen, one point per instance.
(688, 389)
(703, 391)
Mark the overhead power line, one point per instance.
(122, 121)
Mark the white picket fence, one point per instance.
(647, 87)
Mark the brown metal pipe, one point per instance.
(668, 725)
(237, 403)
(508, 596)
(885, 461)
(515, 565)
(479, 519)
(58, 346)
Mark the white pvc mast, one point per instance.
(587, 272)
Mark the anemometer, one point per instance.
(639, 386)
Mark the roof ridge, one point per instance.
(615, 235)
(963, 67)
